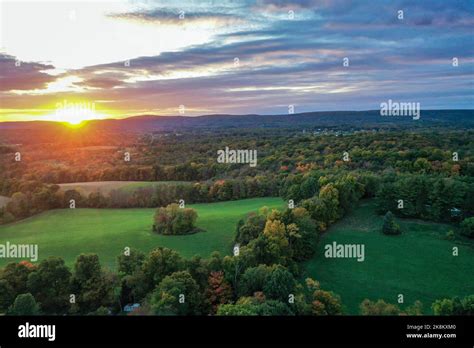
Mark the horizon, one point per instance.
(128, 58)
(216, 115)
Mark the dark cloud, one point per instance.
(22, 75)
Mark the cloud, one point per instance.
(17, 75)
(179, 17)
(284, 61)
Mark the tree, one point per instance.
(129, 263)
(415, 309)
(350, 191)
(309, 299)
(7, 295)
(72, 194)
(275, 231)
(215, 262)
(100, 311)
(454, 306)
(390, 227)
(450, 235)
(467, 304)
(422, 165)
(90, 285)
(309, 187)
(386, 198)
(279, 284)
(25, 304)
(254, 279)
(96, 200)
(237, 310)
(235, 266)
(273, 308)
(326, 303)
(443, 306)
(49, 284)
(303, 248)
(467, 227)
(380, 307)
(250, 229)
(134, 287)
(160, 263)
(199, 270)
(19, 205)
(219, 291)
(259, 304)
(304, 299)
(175, 220)
(329, 195)
(16, 275)
(177, 294)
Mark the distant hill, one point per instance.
(10, 131)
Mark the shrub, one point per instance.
(389, 225)
(450, 235)
(173, 220)
(25, 304)
(467, 227)
(380, 307)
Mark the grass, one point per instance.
(418, 263)
(70, 232)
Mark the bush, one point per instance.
(454, 306)
(25, 304)
(450, 235)
(467, 227)
(389, 225)
(173, 220)
(380, 307)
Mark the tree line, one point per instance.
(192, 156)
(165, 284)
(34, 197)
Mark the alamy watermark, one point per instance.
(237, 156)
(19, 251)
(75, 112)
(37, 331)
(393, 108)
(345, 251)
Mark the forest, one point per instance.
(322, 172)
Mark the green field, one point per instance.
(418, 264)
(69, 232)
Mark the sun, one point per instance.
(75, 113)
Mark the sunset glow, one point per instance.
(249, 56)
(75, 113)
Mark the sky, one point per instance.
(124, 58)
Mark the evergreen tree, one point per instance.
(389, 224)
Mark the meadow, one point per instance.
(419, 263)
(70, 232)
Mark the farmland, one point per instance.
(70, 232)
(419, 263)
